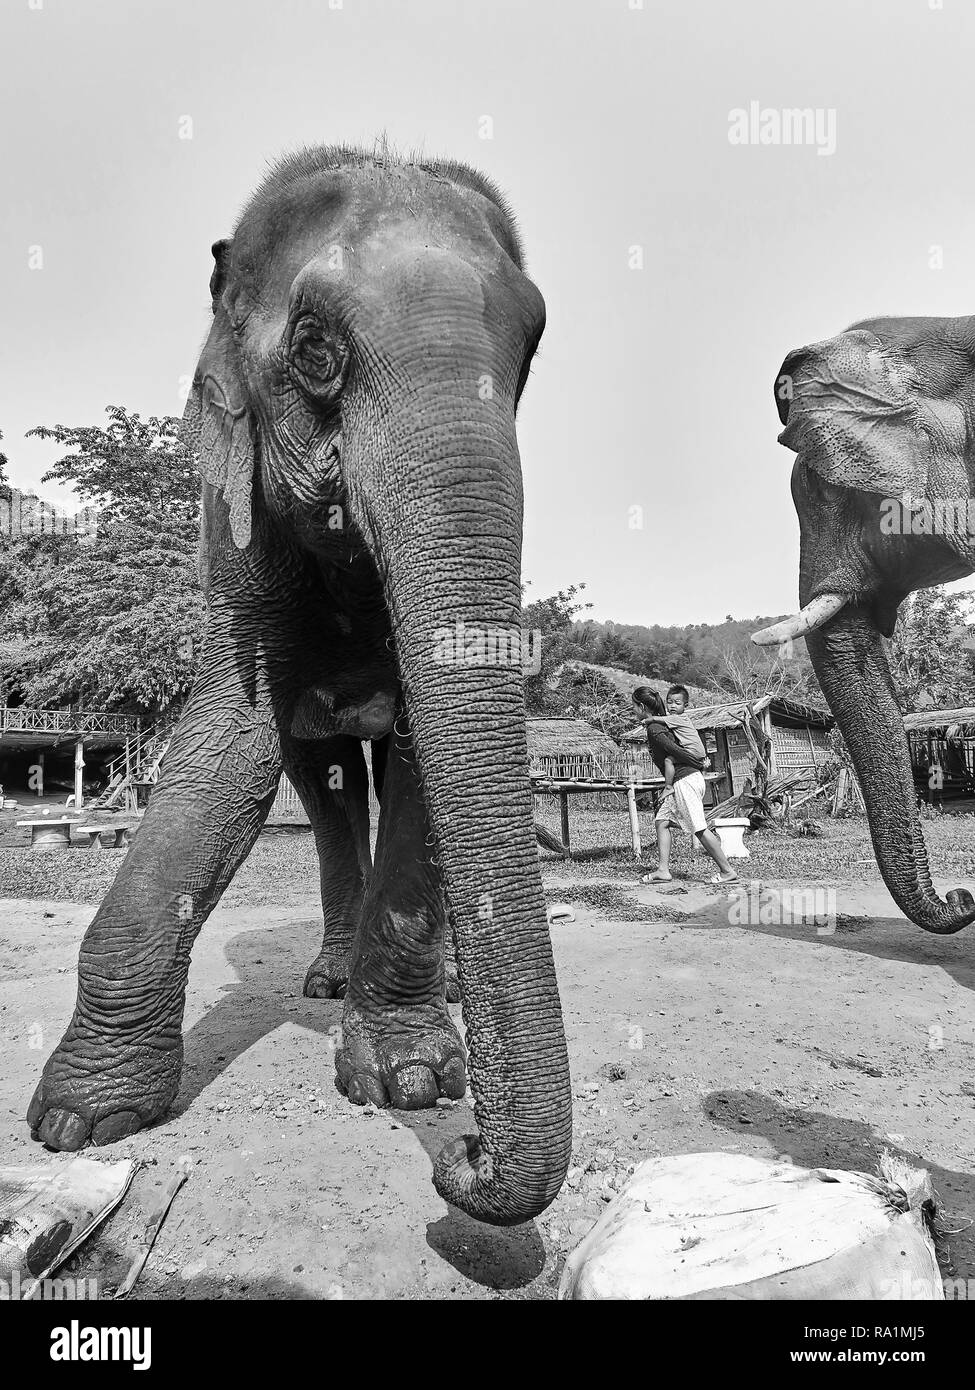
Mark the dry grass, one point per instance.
(283, 867)
(843, 852)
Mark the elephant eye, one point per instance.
(316, 360)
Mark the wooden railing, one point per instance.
(26, 720)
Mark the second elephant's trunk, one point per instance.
(851, 665)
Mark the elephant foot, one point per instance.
(327, 977)
(400, 1057)
(98, 1089)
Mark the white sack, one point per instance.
(726, 1226)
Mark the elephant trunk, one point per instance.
(444, 516)
(851, 666)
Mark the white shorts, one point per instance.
(683, 805)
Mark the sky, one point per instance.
(678, 264)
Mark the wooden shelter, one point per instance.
(795, 730)
(27, 734)
(570, 748)
(942, 744)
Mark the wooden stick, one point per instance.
(154, 1224)
(809, 796)
(634, 822)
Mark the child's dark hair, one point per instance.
(651, 701)
(680, 690)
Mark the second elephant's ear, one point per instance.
(217, 422)
(852, 412)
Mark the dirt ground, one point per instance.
(692, 1025)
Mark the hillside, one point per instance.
(714, 656)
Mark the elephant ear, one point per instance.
(852, 411)
(217, 424)
(880, 409)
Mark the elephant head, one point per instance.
(372, 333)
(881, 419)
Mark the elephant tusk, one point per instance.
(815, 613)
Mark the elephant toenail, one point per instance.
(453, 1082)
(115, 1127)
(62, 1130)
(414, 1088)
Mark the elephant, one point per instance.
(881, 420)
(353, 414)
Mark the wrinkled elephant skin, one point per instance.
(882, 419)
(353, 412)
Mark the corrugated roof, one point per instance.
(804, 711)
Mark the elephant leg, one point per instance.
(118, 1066)
(380, 753)
(399, 1044)
(330, 777)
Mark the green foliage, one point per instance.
(132, 467)
(930, 661)
(110, 621)
(551, 618)
(718, 656)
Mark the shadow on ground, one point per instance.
(270, 964)
(813, 1139)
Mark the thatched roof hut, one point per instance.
(942, 744)
(962, 720)
(564, 747)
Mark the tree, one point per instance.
(550, 620)
(750, 677)
(131, 468)
(111, 620)
(930, 659)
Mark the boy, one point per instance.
(678, 698)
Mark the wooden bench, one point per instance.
(107, 836)
(49, 833)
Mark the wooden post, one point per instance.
(79, 773)
(773, 762)
(40, 774)
(564, 809)
(634, 821)
(839, 795)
